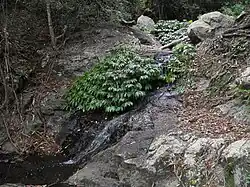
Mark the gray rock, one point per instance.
(217, 20)
(32, 125)
(84, 53)
(127, 163)
(145, 156)
(199, 31)
(200, 145)
(144, 38)
(237, 150)
(208, 25)
(145, 23)
(237, 163)
(51, 112)
(56, 121)
(53, 102)
(100, 173)
(236, 109)
(244, 80)
(8, 147)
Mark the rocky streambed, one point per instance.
(143, 147)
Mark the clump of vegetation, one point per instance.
(179, 63)
(235, 9)
(167, 31)
(115, 83)
(244, 94)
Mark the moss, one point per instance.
(229, 174)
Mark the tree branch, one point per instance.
(50, 24)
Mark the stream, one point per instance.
(35, 170)
(81, 144)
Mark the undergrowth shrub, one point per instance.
(243, 94)
(235, 9)
(167, 31)
(179, 63)
(115, 83)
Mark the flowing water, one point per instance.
(52, 170)
(34, 170)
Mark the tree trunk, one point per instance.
(50, 24)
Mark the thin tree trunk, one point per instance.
(50, 24)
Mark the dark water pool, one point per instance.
(35, 170)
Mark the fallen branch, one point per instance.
(174, 43)
(61, 35)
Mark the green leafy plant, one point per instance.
(248, 178)
(115, 83)
(244, 94)
(235, 9)
(168, 30)
(179, 63)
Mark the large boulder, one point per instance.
(145, 23)
(199, 31)
(208, 25)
